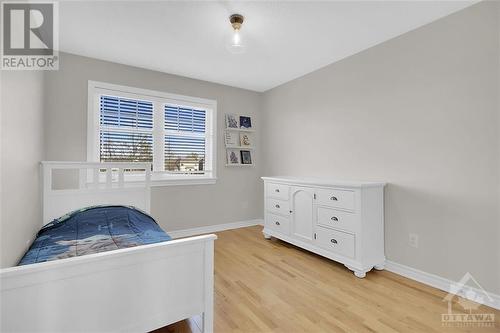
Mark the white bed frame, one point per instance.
(136, 289)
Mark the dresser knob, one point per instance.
(277, 206)
(334, 198)
(277, 223)
(333, 240)
(334, 218)
(277, 190)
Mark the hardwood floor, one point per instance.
(271, 286)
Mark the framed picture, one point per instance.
(245, 122)
(246, 157)
(233, 157)
(232, 121)
(245, 140)
(231, 138)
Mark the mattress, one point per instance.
(93, 230)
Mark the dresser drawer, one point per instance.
(334, 218)
(277, 206)
(335, 198)
(278, 223)
(335, 241)
(278, 191)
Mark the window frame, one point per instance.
(159, 100)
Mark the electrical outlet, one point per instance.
(413, 240)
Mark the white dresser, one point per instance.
(343, 221)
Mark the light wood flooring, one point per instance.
(272, 286)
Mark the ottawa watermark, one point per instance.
(470, 297)
(30, 35)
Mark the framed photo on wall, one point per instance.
(245, 122)
(231, 138)
(246, 157)
(245, 140)
(232, 121)
(233, 156)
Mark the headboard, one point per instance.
(109, 183)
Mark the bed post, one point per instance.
(46, 187)
(208, 313)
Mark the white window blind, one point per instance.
(175, 133)
(126, 127)
(185, 140)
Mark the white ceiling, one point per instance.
(284, 40)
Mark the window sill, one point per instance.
(160, 179)
(177, 181)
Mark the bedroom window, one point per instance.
(185, 137)
(125, 129)
(175, 133)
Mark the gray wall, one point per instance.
(237, 194)
(21, 152)
(420, 112)
(498, 152)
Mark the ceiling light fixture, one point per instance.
(236, 46)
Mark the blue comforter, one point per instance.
(93, 230)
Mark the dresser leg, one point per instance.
(266, 236)
(360, 274)
(379, 267)
(357, 273)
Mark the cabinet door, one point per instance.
(302, 213)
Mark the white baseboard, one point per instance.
(440, 283)
(214, 228)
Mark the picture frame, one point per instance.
(246, 157)
(245, 140)
(232, 121)
(231, 138)
(233, 157)
(245, 122)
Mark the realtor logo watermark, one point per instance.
(472, 295)
(30, 36)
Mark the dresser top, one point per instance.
(323, 181)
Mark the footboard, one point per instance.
(130, 290)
